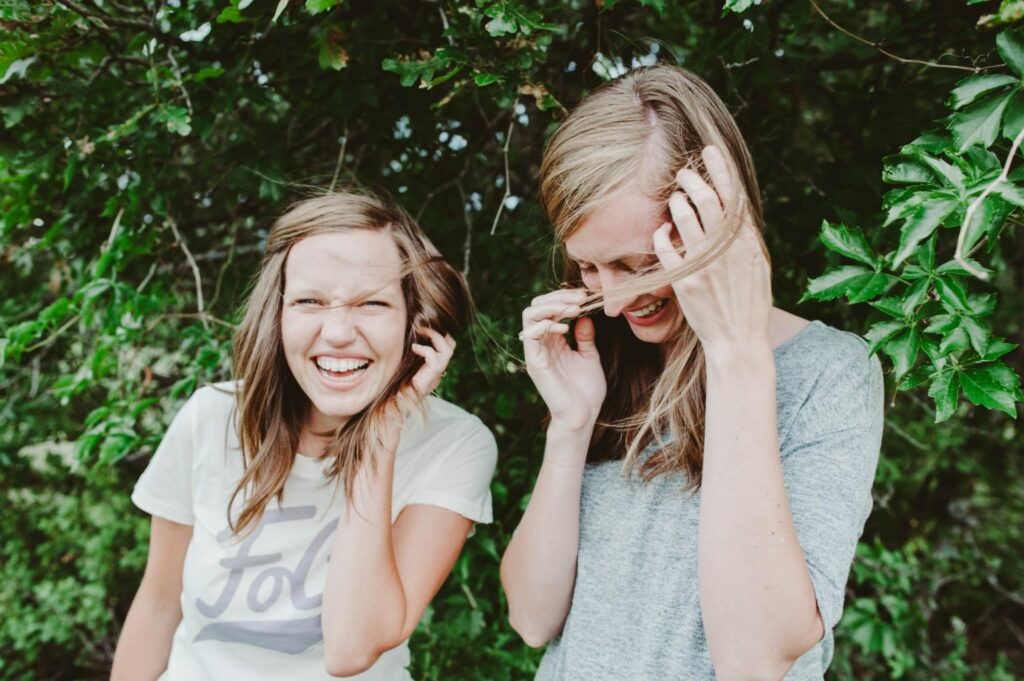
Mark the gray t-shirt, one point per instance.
(635, 611)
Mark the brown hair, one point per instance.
(272, 408)
(633, 134)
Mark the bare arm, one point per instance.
(759, 607)
(757, 601)
(538, 570)
(380, 577)
(145, 643)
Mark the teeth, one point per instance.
(650, 309)
(341, 365)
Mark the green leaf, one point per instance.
(954, 267)
(997, 347)
(836, 283)
(979, 123)
(969, 89)
(977, 332)
(916, 377)
(992, 210)
(954, 341)
(915, 295)
(1013, 117)
(942, 323)
(737, 6)
(176, 118)
(500, 25)
(1010, 192)
(877, 284)
(906, 172)
(920, 224)
(848, 241)
(987, 387)
(891, 305)
(483, 79)
(903, 349)
(953, 176)
(332, 52)
(317, 6)
(951, 294)
(880, 332)
(945, 390)
(1011, 48)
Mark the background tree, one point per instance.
(147, 146)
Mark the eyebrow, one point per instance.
(640, 258)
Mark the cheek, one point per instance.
(665, 292)
(387, 336)
(297, 331)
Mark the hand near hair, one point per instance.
(571, 382)
(727, 303)
(435, 360)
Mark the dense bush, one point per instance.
(146, 146)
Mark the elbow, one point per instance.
(344, 663)
(736, 671)
(533, 635)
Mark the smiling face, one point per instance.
(343, 321)
(614, 242)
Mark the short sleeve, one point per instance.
(165, 488)
(460, 479)
(828, 464)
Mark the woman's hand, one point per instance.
(435, 356)
(728, 302)
(571, 382)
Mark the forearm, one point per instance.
(538, 569)
(364, 605)
(757, 600)
(145, 642)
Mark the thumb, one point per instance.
(585, 334)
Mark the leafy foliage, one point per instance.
(147, 146)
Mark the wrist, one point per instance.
(747, 361)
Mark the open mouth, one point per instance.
(341, 369)
(649, 314)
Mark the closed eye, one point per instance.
(376, 303)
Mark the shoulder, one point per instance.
(451, 420)
(827, 374)
(215, 399)
(819, 348)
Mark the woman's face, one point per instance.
(343, 321)
(610, 246)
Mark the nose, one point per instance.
(613, 304)
(339, 326)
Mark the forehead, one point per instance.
(355, 258)
(620, 227)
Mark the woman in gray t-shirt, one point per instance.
(709, 458)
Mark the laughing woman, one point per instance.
(329, 444)
(709, 457)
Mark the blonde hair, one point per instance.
(272, 408)
(633, 134)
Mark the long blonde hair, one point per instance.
(272, 408)
(640, 129)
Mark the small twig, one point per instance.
(882, 50)
(113, 230)
(53, 336)
(444, 21)
(204, 317)
(906, 436)
(195, 271)
(467, 243)
(181, 84)
(225, 266)
(341, 158)
(504, 151)
(959, 254)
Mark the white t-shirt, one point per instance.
(251, 606)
